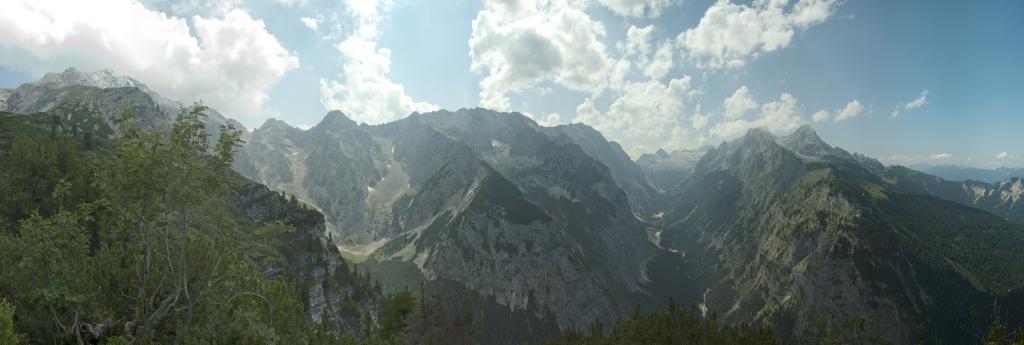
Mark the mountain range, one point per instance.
(552, 228)
(961, 173)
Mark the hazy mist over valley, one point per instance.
(511, 172)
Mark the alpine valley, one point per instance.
(477, 226)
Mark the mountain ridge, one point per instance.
(558, 227)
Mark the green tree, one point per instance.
(7, 334)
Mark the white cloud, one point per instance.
(821, 116)
(1004, 155)
(230, 63)
(291, 3)
(941, 156)
(662, 62)
(638, 45)
(728, 34)
(617, 80)
(638, 40)
(739, 103)
(918, 102)
(518, 45)
(549, 120)
(851, 110)
(365, 93)
(310, 23)
(304, 126)
(637, 8)
(780, 117)
(699, 121)
(206, 8)
(647, 116)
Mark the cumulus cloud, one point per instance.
(291, 3)
(918, 102)
(739, 103)
(728, 34)
(647, 115)
(549, 120)
(781, 116)
(206, 8)
(662, 62)
(230, 60)
(821, 116)
(637, 8)
(523, 44)
(1004, 155)
(851, 110)
(638, 40)
(365, 93)
(941, 156)
(638, 45)
(310, 23)
(699, 121)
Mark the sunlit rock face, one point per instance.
(490, 200)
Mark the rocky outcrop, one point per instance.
(333, 292)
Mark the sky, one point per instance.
(909, 82)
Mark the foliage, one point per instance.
(7, 334)
(999, 334)
(434, 322)
(134, 239)
(674, 325)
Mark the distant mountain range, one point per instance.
(551, 228)
(960, 173)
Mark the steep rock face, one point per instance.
(4, 95)
(332, 291)
(643, 197)
(479, 198)
(784, 238)
(1002, 199)
(578, 190)
(501, 245)
(371, 181)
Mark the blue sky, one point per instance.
(950, 71)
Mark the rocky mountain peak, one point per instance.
(272, 124)
(757, 136)
(103, 79)
(335, 119)
(661, 153)
(805, 141)
(806, 130)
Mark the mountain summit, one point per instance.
(103, 79)
(806, 142)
